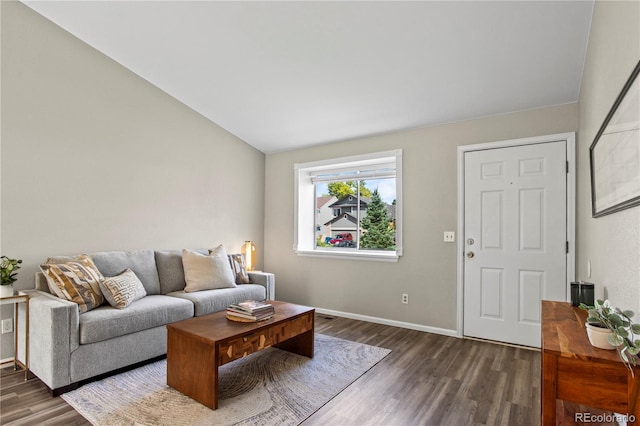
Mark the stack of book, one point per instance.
(250, 311)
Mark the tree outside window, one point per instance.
(356, 214)
(377, 225)
(358, 207)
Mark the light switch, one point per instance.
(449, 237)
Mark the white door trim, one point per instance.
(570, 138)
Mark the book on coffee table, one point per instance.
(250, 310)
(252, 305)
(241, 318)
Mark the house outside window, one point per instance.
(358, 205)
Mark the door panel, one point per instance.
(532, 219)
(491, 288)
(515, 216)
(531, 285)
(491, 216)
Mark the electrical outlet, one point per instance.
(7, 326)
(405, 299)
(449, 237)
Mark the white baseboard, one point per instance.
(6, 361)
(401, 324)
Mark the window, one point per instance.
(358, 207)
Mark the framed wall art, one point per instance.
(615, 153)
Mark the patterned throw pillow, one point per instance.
(77, 281)
(122, 290)
(239, 268)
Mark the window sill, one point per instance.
(351, 255)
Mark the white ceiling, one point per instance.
(284, 75)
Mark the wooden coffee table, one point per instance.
(198, 346)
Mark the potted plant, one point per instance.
(8, 270)
(617, 327)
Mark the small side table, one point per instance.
(14, 300)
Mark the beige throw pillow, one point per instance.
(77, 281)
(202, 272)
(122, 290)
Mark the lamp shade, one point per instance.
(249, 251)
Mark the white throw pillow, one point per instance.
(202, 272)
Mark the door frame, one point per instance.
(570, 139)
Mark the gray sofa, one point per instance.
(67, 348)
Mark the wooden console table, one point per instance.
(575, 371)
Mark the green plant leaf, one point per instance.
(8, 270)
(615, 340)
(622, 332)
(593, 313)
(635, 328)
(615, 320)
(628, 314)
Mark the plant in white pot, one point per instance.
(618, 329)
(8, 271)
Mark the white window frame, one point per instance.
(305, 202)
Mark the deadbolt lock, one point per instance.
(470, 241)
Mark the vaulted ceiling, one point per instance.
(285, 75)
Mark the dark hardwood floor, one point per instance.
(29, 403)
(427, 379)
(434, 380)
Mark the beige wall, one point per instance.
(95, 158)
(611, 243)
(427, 270)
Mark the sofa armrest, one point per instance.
(53, 335)
(267, 280)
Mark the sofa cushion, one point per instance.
(207, 272)
(170, 269)
(121, 290)
(209, 301)
(77, 281)
(151, 311)
(141, 262)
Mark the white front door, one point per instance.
(515, 224)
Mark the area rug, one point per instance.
(267, 388)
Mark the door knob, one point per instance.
(470, 254)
